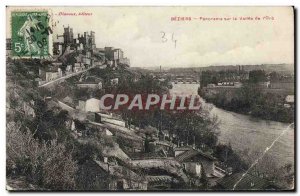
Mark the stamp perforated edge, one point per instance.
(10, 9)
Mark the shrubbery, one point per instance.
(46, 164)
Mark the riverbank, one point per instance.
(253, 101)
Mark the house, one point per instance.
(79, 115)
(109, 119)
(69, 69)
(122, 178)
(238, 84)
(290, 99)
(66, 107)
(162, 182)
(89, 105)
(90, 85)
(160, 146)
(197, 163)
(51, 75)
(87, 61)
(78, 67)
(50, 72)
(90, 82)
(163, 135)
(106, 119)
(56, 66)
(247, 182)
(114, 81)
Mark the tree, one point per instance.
(274, 76)
(47, 164)
(256, 76)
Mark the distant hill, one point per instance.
(285, 68)
(266, 67)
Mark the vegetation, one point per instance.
(38, 144)
(46, 164)
(250, 99)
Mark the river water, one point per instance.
(246, 133)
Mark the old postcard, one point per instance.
(150, 98)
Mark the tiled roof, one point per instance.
(120, 171)
(186, 155)
(159, 179)
(192, 152)
(249, 182)
(165, 143)
(182, 148)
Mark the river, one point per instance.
(244, 132)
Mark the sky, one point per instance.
(139, 30)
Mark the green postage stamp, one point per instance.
(30, 32)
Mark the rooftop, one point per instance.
(249, 182)
(162, 178)
(120, 171)
(190, 152)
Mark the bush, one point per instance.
(48, 165)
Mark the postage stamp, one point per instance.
(30, 32)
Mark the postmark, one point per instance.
(30, 34)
